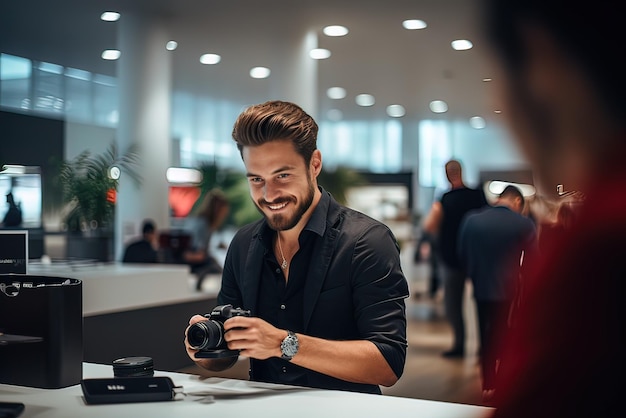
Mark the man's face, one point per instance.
(281, 185)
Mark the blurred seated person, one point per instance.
(209, 218)
(143, 250)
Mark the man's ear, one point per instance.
(316, 162)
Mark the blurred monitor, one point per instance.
(182, 199)
(25, 184)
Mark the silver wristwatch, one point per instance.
(289, 346)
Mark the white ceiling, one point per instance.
(378, 56)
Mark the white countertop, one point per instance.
(226, 398)
(115, 287)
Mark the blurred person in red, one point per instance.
(562, 90)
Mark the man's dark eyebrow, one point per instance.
(278, 170)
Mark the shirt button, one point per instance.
(282, 307)
(284, 370)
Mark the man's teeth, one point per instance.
(276, 207)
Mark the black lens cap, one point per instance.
(133, 367)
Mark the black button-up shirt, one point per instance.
(280, 301)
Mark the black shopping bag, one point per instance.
(41, 331)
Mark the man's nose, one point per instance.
(270, 192)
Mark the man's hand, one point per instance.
(254, 337)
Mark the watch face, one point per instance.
(289, 346)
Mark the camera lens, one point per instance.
(205, 335)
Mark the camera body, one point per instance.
(208, 336)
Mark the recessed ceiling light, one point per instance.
(498, 111)
(438, 106)
(462, 45)
(413, 24)
(319, 53)
(171, 45)
(111, 54)
(365, 100)
(335, 30)
(336, 93)
(477, 122)
(396, 111)
(487, 79)
(334, 115)
(210, 59)
(260, 72)
(110, 16)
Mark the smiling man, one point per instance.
(323, 282)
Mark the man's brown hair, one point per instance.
(276, 120)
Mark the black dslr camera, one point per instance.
(208, 336)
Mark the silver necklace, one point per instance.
(284, 264)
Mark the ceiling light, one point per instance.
(111, 54)
(183, 175)
(496, 187)
(336, 93)
(498, 111)
(171, 45)
(110, 16)
(210, 59)
(487, 79)
(477, 122)
(413, 24)
(319, 53)
(365, 100)
(438, 106)
(334, 115)
(396, 111)
(260, 72)
(335, 30)
(462, 45)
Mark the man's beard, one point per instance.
(282, 222)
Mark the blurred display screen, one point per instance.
(181, 200)
(26, 190)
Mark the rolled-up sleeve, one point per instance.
(380, 289)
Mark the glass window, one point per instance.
(15, 76)
(48, 89)
(105, 100)
(434, 152)
(78, 95)
(363, 145)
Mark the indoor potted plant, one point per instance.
(89, 183)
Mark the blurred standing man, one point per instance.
(443, 221)
(564, 95)
(323, 282)
(492, 244)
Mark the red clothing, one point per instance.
(564, 356)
